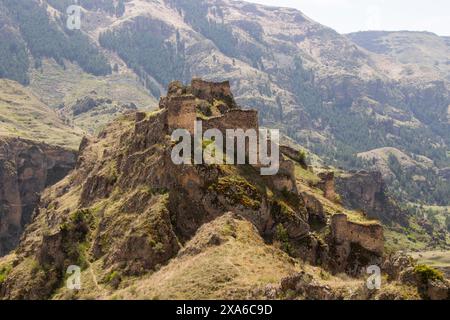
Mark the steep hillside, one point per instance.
(61, 65)
(134, 221)
(43, 37)
(59, 86)
(422, 51)
(23, 115)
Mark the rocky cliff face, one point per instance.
(26, 169)
(129, 209)
(366, 191)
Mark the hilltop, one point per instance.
(140, 226)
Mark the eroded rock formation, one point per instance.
(366, 191)
(26, 168)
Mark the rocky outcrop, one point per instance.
(316, 213)
(307, 287)
(430, 283)
(326, 184)
(26, 168)
(294, 154)
(366, 191)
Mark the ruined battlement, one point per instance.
(285, 179)
(233, 119)
(211, 91)
(182, 103)
(368, 236)
(181, 112)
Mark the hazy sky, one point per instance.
(355, 15)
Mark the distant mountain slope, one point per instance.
(45, 38)
(424, 50)
(23, 115)
(56, 85)
(61, 65)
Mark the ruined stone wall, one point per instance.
(233, 119)
(213, 90)
(181, 113)
(181, 103)
(370, 237)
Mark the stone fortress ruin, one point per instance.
(207, 111)
(213, 104)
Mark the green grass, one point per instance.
(396, 240)
(306, 175)
(239, 191)
(428, 273)
(23, 115)
(56, 85)
(4, 271)
(435, 259)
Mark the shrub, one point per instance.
(4, 271)
(282, 236)
(114, 278)
(301, 156)
(238, 191)
(428, 273)
(112, 275)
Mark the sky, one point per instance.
(361, 15)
